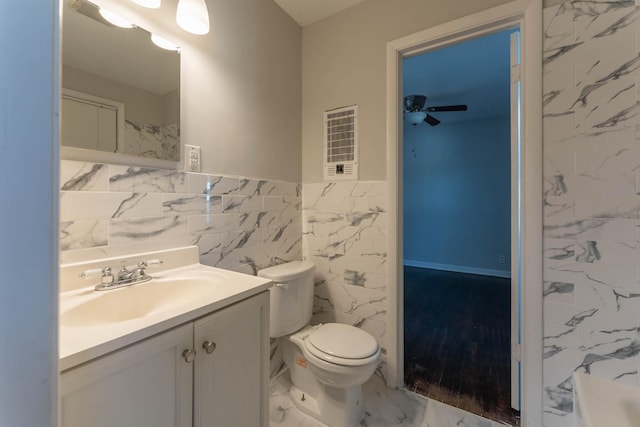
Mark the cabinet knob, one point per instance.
(209, 346)
(189, 355)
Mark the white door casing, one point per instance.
(527, 16)
(516, 181)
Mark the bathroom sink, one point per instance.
(141, 300)
(94, 323)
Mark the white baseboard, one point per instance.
(458, 268)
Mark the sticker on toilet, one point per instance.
(301, 361)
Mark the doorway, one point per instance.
(457, 225)
(526, 15)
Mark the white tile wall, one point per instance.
(591, 171)
(158, 142)
(238, 223)
(344, 233)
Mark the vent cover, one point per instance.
(341, 143)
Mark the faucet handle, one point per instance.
(107, 276)
(142, 265)
(89, 273)
(145, 264)
(94, 272)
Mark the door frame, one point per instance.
(527, 16)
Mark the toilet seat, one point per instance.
(342, 344)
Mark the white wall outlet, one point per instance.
(191, 158)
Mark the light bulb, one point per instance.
(151, 4)
(193, 16)
(163, 43)
(115, 19)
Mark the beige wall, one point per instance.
(140, 105)
(241, 85)
(344, 63)
(171, 107)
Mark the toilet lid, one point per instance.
(343, 341)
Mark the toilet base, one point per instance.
(336, 407)
(337, 400)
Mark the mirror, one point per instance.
(120, 92)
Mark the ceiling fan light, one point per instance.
(415, 117)
(193, 16)
(151, 4)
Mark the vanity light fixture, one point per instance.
(115, 19)
(163, 43)
(151, 4)
(193, 16)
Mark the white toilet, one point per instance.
(328, 363)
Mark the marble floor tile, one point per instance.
(384, 407)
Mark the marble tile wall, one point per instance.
(156, 142)
(591, 68)
(344, 234)
(240, 224)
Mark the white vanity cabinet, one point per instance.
(158, 382)
(231, 382)
(146, 384)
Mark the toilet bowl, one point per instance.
(328, 363)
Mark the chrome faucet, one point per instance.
(127, 276)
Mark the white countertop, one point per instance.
(79, 344)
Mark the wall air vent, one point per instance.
(341, 143)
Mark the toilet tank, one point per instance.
(291, 296)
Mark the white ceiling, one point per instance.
(306, 12)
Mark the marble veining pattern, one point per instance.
(110, 209)
(245, 225)
(384, 407)
(344, 230)
(591, 204)
(84, 176)
(157, 142)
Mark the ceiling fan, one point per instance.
(415, 111)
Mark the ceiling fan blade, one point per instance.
(461, 107)
(431, 120)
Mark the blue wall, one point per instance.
(457, 195)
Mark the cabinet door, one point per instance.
(79, 124)
(148, 384)
(231, 382)
(90, 125)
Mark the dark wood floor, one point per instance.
(457, 339)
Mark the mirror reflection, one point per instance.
(120, 91)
